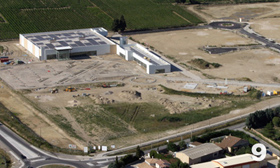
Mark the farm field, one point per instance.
(27, 17)
(145, 14)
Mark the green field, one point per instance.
(232, 1)
(28, 16)
(147, 14)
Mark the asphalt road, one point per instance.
(244, 28)
(33, 157)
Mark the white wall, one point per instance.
(37, 51)
(29, 46)
(126, 53)
(21, 40)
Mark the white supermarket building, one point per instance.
(66, 44)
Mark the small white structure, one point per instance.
(190, 86)
(104, 148)
(85, 149)
(269, 93)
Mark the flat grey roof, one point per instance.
(72, 38)
(201, 150)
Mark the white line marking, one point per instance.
(28, 153)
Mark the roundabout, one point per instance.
(225, 25)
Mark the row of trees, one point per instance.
(174, 148)
(261, 118)
(119, 24)
(127, 159)
(180, 1)
(207, 137)
(270, 131)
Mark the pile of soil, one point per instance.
(130, 95)
(102, 100)
(73, 103)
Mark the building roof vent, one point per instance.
(52, 40)
(82, 37)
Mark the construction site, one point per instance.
(106, 100)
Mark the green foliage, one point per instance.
(5, 160)
(122, 23)
(115, 25)
(89, 115)
(269, 131)
(180, 1)
(127, 159)
(170, 119)
(255, 94)
(194, 2)
(182, 144)
(153, 154)
(1, 20)
(201, 63)
(206, 138)
(1, 49)
(63, 123)
(179, 164)
(276, 121)
(139, 152)
(113, 165)
(261, 118)
(172, 147)
(242, 150)
(119, 24)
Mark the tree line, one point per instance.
(261, 118)
(207, 137)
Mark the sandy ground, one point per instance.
(260, 65)
(53, 73)
(247, 12)
(33, 118)
(267, 27)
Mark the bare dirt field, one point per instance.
(34, 119)
(55, 72)
(247, 12)
(184, 46)
(268, 27)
